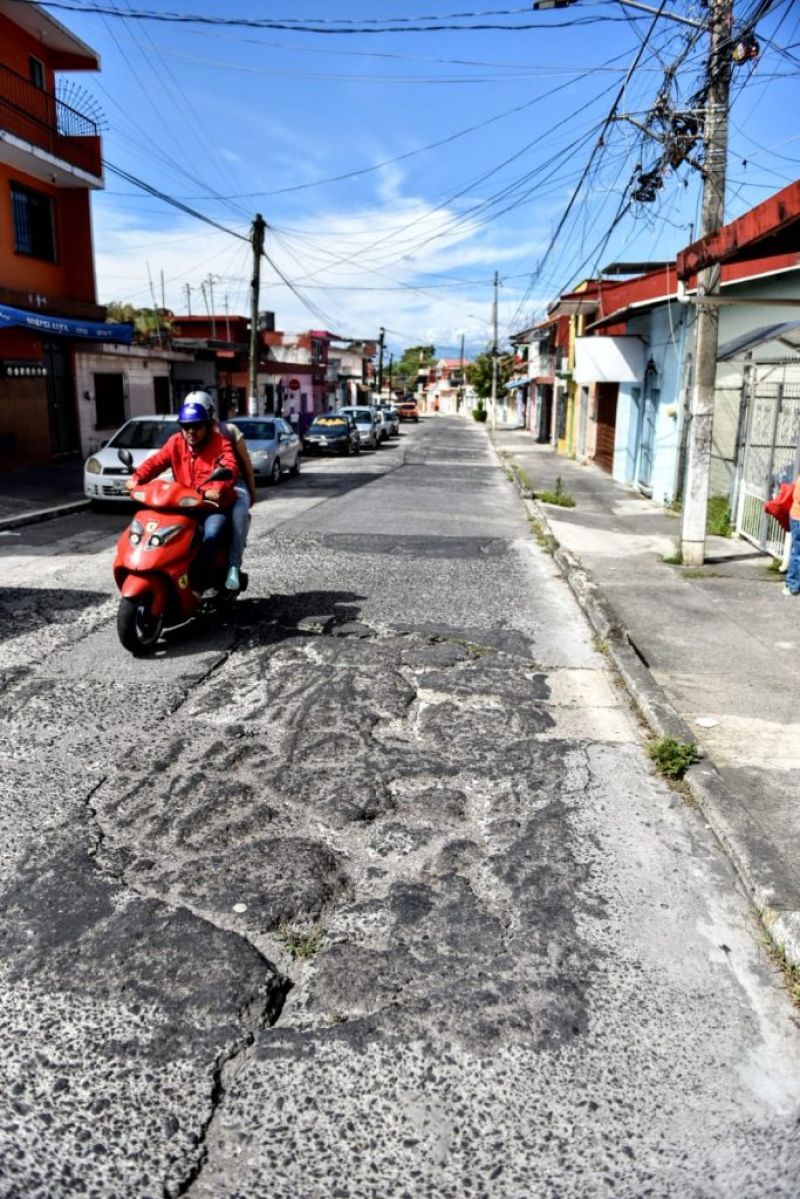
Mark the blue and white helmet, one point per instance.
(196, 409)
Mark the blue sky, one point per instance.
(237, 120)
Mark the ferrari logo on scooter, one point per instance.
(183, 582)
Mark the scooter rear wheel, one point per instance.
(137, 629)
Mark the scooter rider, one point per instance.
(193, 454)
(245, 491)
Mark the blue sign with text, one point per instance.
(62, 326)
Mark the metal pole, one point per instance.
(188, 291)
(213, 318)
(153, 298)
(257, 240)
(380, 360)
(494, 354)
(698, 467)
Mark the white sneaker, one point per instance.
(232, 581)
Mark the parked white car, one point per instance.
(273, 445)
(369, 425)
(104, 476)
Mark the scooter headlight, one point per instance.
(163, 536)
(135, 532)
(188, 501)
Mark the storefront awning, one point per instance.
(609, 360)
(62, 326)
(517, 383)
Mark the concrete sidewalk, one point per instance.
(41, 492)
(709, 654)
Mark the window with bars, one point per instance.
(34, 231)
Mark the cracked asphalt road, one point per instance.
(371, 892)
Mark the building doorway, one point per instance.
(60, 399)
(606, 408)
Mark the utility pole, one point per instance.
(460, 397)
(211, 293)
(153, 298)
(257, 241)
(494, 353)
(380, 359)
(715, 134)
(188, 291)
(227, 321)
(391, 365)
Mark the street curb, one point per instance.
(37, 516)
(704, 781)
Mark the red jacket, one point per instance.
(192, 467)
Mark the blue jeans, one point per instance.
(214, 529)
(240, 525)
(793, 573)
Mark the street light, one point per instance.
(544, 5)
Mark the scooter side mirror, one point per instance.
(126, 458)
(220, 475)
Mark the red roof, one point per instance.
(771, 228)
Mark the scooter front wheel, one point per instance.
(137, 628)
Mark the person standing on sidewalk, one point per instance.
(793, 573)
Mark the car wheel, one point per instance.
(295, 470)
(275, 473)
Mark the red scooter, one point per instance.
(156, 564)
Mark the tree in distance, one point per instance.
(479, 373)
(147, 322)
(412, 360)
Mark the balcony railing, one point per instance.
(37, 116)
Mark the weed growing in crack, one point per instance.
(560, 496)
(599, 645)
(524, 478)
(776, 951)
(541, 535)
(673, 758)
(675, 559)
(301, 944)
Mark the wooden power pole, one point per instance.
(380, 360)
(715, 134)
(257, 241)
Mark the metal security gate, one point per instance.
(60, 399)
(771, 453)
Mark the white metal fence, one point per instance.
(771, 457)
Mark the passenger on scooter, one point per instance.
(245, 491)
(193, 454)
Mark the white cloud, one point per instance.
(340, 260)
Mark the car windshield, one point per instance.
(143, 434)
(328, 424)
(363, 416)
(256, 430)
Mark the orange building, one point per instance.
(50, 160)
